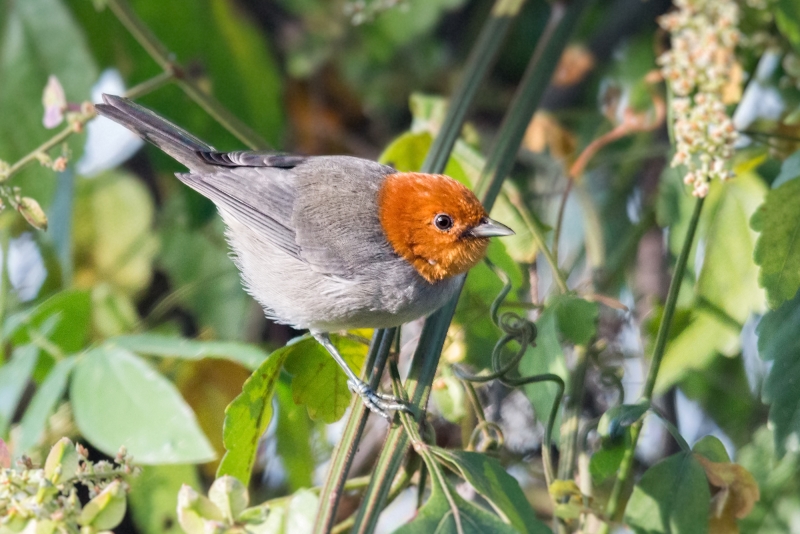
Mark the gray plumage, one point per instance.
(305, 230)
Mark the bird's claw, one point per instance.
(377, 402)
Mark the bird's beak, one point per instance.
(491, 228)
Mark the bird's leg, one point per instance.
(377, 402)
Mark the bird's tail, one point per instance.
(170, 138)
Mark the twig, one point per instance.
(77, 123)
(166, 60)
(57, 139)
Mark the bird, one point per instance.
(330, 243)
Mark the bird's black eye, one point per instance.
(443, 222)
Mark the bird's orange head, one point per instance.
(435, 223)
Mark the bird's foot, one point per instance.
(377, 402)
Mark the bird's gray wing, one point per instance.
(260, 197)
(246, 158)
(336, 215)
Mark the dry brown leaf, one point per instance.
(545, 132)
(734, 493)
(575, 63)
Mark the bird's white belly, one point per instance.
(386, 294)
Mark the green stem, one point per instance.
(54, 141)
(5, 282)
(570, 422)
(423, 366)
(165, 59)
(148, 86)
(481, 59)
(563, 19)
(426, 357)
(342, 458)
(572, 409)
(614, 508)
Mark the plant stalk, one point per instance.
(615, 508)
(481, 59)
(423, 366)
(342, 458)
(572, 409)
(426, 358)
(563, 19)
(165, 59)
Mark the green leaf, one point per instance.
(606, 460)
(293, 438)
(790, 169)
(294, 514)
(777, 481)
(230, 496)
(62, 462)
(576, 318)
(318, 382)
(778, 342)
(722, 391)
(64, 319)
(545, 357)
(712, 448)
(38, 38)
(777, 250)
(780, 392)
(118, 399)
(440, 515)
(672, 497)
(14, 377)
(249, 415)
(196, 513)
(106, 510)
(613, 423)
(787, 18)
(250, 356)
(43, 404)
(154, 497)
(777, 331)
(728, 278)
(694, 345)
(494, 484)
(113, 311)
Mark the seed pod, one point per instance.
(33, 213)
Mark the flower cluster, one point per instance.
(46, 500)
(699, 69)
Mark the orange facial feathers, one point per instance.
(427, 218)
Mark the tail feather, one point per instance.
(170, 138)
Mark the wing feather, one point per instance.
(261, 198)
